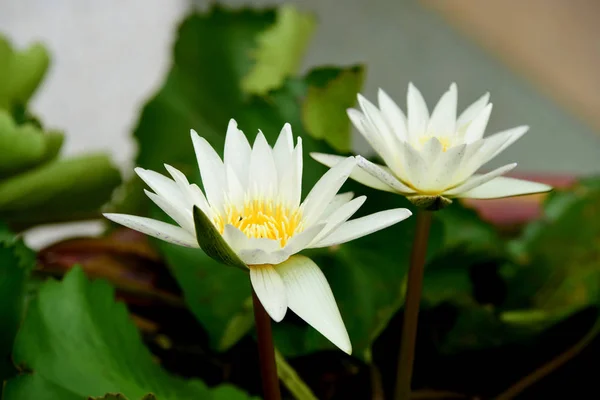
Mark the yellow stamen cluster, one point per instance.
(262, 218)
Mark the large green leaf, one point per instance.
(16, 261)
(61, 190)
(20, 73)
(279, 50)
(24, 146)
(559, 256)
(79, 342)
(331, 92)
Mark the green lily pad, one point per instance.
(79, 342)
(16, 262)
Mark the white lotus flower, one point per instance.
(433, 157)
(253, 199)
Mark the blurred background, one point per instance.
(109, 57)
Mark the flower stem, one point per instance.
(411, 306)
(266, 351)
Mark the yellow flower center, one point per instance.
(261, 218)
(444, 141)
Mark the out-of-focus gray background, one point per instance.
(540, 59)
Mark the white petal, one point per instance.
(183, 217)
(263, 172)
(290, 177)
(338, 201)
(301, 240)
(377, 124)
(237, 152)
(162, 186)
(476, 129)
(443, 116)
(418, 115)
(363, 226)
(238, 241)
(376, 142)
(310, 297)
(211, 170)
(505, 187)
(511, 135)
(282, 151)
(393, 115)
(477, 180)
(472, 111)
(358, 174)
(415, 168)
(339, 216)
(447, 166)
(270, 290)
(431, 151)
(200, 200)
(254, 251)
(325, 189)
(385, 177)
(158, 229)
(482, 151)
(235, 190)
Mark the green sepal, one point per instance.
(212, 243)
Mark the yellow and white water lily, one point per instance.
(431, 159)
(253, 200)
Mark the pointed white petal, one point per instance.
(263, 172)
(512, 135)
(418, 115)
(446, 167)
(158, 229)
(301, 240)
(382, 175)
(237, 152)
(235, 190)
(338, 217)
(431, 151)
(282, 151)
(358, 174)
(270, 290)
(375, 141)
(505, 187)
(183, 217)
(338, 201)
(472, 111)
(254, 251)
(290, 176)
(476, 129)
(393, 115)
(238, 241)
(377, 124)
(162, 186)
(325, 189)
(415, 168)
(443, 116)
(363, 226)
(477, 180)
(200, 200)
(310, 297)
(482, 151)
(211, 170)
(296, 192)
